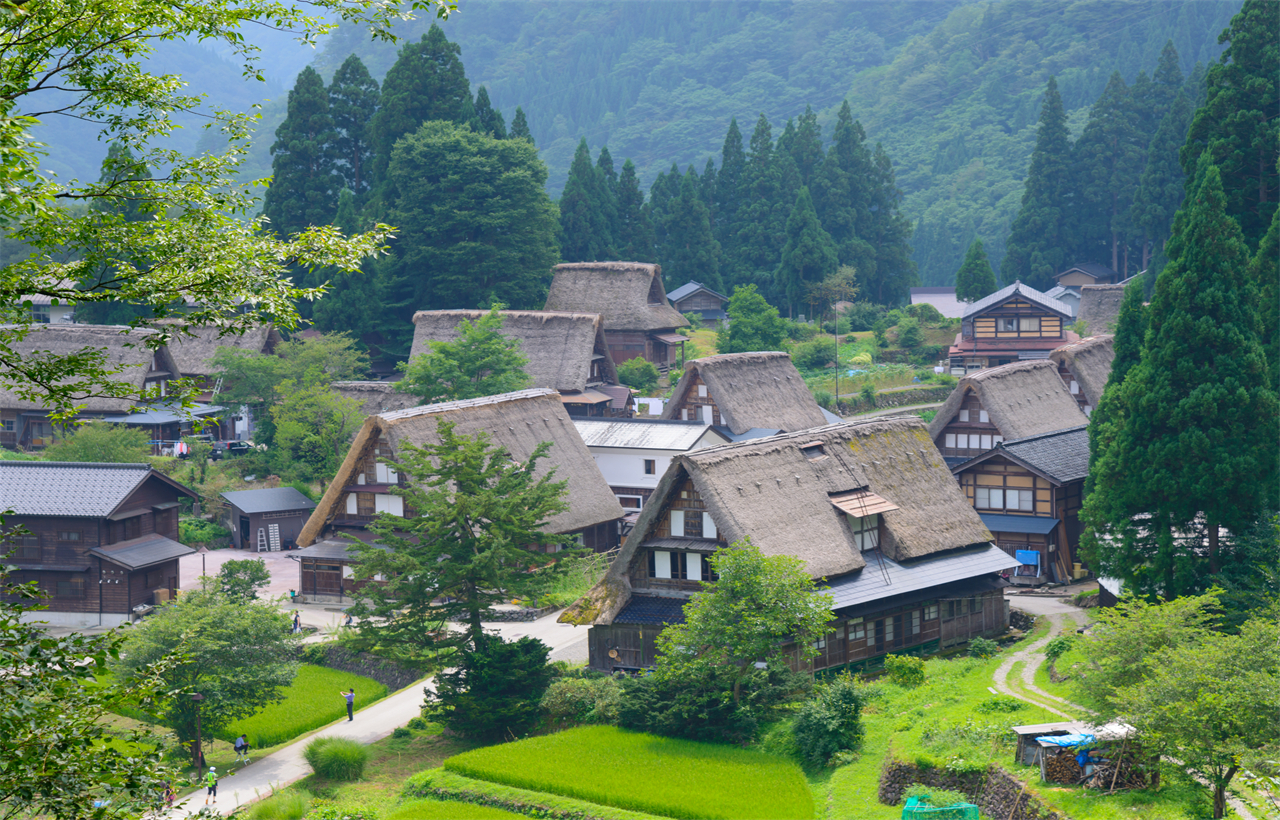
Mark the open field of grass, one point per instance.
(448, 810)
(632, 770)
(311, 702)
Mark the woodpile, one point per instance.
(1124, 773)
(1062, 768)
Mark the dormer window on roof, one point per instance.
(813, 450)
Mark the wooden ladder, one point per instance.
(262, 540)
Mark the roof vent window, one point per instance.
(813, 450)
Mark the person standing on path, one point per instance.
(350, 697)
(211, 781)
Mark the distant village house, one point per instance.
(634, 454)
(695, 297)
(1016, 323)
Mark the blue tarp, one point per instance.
(1028, 557)
(1082, 739)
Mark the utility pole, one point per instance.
(199, 751)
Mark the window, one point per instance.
(888, 628)
(857, 629)
(975, 604)
(702, 391)
(813, 451)
(950, 441)
(1075, 387)
(672, 565)
(982, 416)
(996, 498)
(72, 587)
(693, 566)
(40, 314)
(6, 425)
(964, 415)
(866, 531)
(931, 612)
(1006, 325)
(677, 523)
(28, 547)
(1029, 324)
(650, 466)
(986, 442)
(915, 622)
(629, 502)
(952, 610)
(708, 527)
(68, 535)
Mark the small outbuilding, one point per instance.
(269, 519)
(695, 297)
(326, 571)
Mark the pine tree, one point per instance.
(888, 281)
(520, 127)
(1192, 412)
(806, 147)
(353, 100)
(809, 255)
(427, 82)
(635, 231)
(1239, 122)
(1166, 82)
(975, 279)
(690, 253)
(1162, 184)
(304, 179)
(1042, 236)
(584, 227)
(607, 181)
(488, 120)
(842, 194)
(728, 204)
(1265, 272)
(763, 215)
(1109, 158)
(352, 305)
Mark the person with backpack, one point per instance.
(211, 781)
(242, 748)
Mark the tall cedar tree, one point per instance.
(427, 82)
(353, 100)
(488, 120)
(304, 178)
(841, 195)
(520, 127)
(475, 223)
(809, 255)
(975, 279)
(1162, 184)
(1107, 417)
(608, 182)
(753, 324)
(662, 197)
(1194, 411)
(1043, 234)
(584, 227)
(765, 207)
(352, 304)
(479, 362)
(1109, 159)
(806, 147)
(1239, 122)
(889, 280)
(690, 253)
(1265, 272)
(635, 231)
(118, 165)
(479, 517)
(728, 204)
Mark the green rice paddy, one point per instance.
(442, 810)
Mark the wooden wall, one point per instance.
(985, 324)
(693, 401)
(979, 435)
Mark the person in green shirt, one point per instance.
(211, 780)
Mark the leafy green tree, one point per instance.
(840, 286)
(639, 374)
(975, 279)
(480, 362)
(909, 334)
(584, 225)
(241, 580)
(753, 324)
(689, 252)
(353, 100)
(478, 518)
(809, 255)
(314, 426)
(475, 224)
(1238, 123)
(635, 230)
(495, 691)
(488, 120)
(237, 653)
(1202, 359)
(758, 609)
(832, 721)
(305, 179)
(354, 305)
(1043, 235)
(102, 442)
(520, 127)
(1109, 159)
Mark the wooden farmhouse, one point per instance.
(747, 395)
(193, 351)
(268, 519)
(695, 297)
(375, 397)
(638, 319)
(1004, 403)
(869, 507)
(518, 422)
(566, 352)
(1029, 492)
(100, 539)
(1100, 307)
(1086, 273)
(326, 571)
(1013, 324)
(1085, 367)
(633, 454)
(1067, 296)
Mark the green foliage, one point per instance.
(336, 758)
(983, 647)
(401, 731)
(868, 394)
(290, 804)
(904, 670)
(975, 279)
(830, 722)
(304, 175)
(570, 701)
(440, 810)
(909, 333)
(935, 798)
(863, 315)
(753, 324)
(418, 724)
(617, 768)
(98, 441)
(639, 374)
(586, 229)
(1057, 646)
(479, 362)
(809, 255)
(1110, 155)
(1000, 704)
(495, 690)
(241, 580)
(927, 314)
(324, 812)
(695, 320)
(314, 426)
(815, 354)
(353, 100)
(197, 531)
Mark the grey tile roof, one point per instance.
(146, 551)
(269, 499)
(1018, 289)
(1063, 454)
(332, 550)
(643, 434)
(999, 522)
(884, 578)
(643, 610)
(690, 288)
(79, 489)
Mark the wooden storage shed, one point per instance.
(269, 519)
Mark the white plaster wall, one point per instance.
(625, 468)
(74, 619)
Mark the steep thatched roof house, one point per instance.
(517, 422)
(630, 298)
(1100, 307)
(1016, 323)
(745, 391)
(869, 507)
(1085, 367)
(375, 397)
(1009, 402)
(566, 351)
(194, 352)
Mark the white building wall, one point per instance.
(625, 468)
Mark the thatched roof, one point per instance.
(628, 295)
(517, 422)
(751, 390)
(777, 491)
(124, 348)
(1100, 307)
(375, 397)
(1089, 360)
(1022, 399)
(194, 352)
(559, 346)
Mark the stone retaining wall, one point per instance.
(511, 615)
(898, 398)
(388, 673)
(995, 792)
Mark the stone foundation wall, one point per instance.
(388, 673)
(995, 792)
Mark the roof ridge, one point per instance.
(482, 401)
(1049, 434)
(96, 464)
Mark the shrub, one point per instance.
(909, 333)
(825, 398)
(863, 315)
(401, 731)
(570, 701)
(801, 331)
(695, 320)
(831, 722)
(868, 393)
(196, 531)
(839, 327)
(495, 690)
(999, 703)
(904, 670)
(331, 812)
(936, 798)
(1057, 646)
(926, 314)
(814, 354)
(418, 724)
(639, 374)
(336, 758)
(983, 647)
(945, 379)
(284, 805)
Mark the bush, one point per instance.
(814, 354)
(831, 722)
(825, 398)
(695, 320)
(800, 331)
(909, 333)
(839, 327)
(285, 805)
(936, 798)
(868, 393)
(904, 670)
(331, 812)
(999, 703)
(336, 758)
(304, 488)
(197, 531)
(862, 316)
(418, 724)
(401, 731)
(927, 315)
(945, 379)
(496, 689)
(571, 701)
(639, 374)
(983, 647)
(1058, 646)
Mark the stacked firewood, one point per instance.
(1129, 776)
(1062, 768)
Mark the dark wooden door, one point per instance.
(880, 636)
(897, 630)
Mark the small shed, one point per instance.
(326, 571)
(268, 519)
(695, 297)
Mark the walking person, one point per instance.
(211, 781)
(169, 795)
(350, 698)
(297, 622)
(242, 748)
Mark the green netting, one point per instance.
(917, 808)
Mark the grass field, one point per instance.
(631, 770)
(311, 702)
(448, 810)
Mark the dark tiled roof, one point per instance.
(1017, 289)
(641, 610)
(690, 288)
(269, 499)
(1094, 269)
(1064, 454)
(67, 488)
(333, 550)
(146, 551)
(999, 522)
(884, 578)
